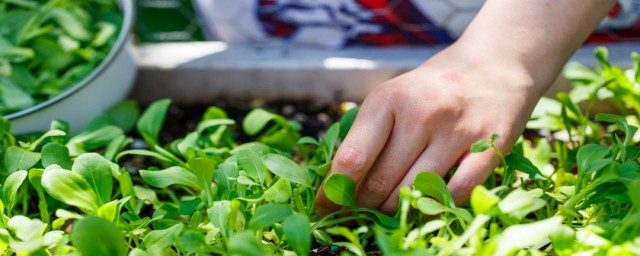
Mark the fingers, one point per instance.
(357, 153)
(405, 145)
(473, 170)
(438, 158)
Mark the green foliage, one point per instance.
(48, 46)
(97, 236)
(340, 189)
(572, 192)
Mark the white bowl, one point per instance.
(109, 83)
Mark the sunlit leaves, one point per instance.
(431, 184)
(151, 121)
(340, 189)
(287, 169)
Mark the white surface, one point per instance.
(197, 72)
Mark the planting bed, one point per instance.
(240, 179)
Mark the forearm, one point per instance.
(538, 35)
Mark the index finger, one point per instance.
(361, 146)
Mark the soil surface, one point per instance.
(315, 117)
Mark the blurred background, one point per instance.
(192, 57)
(167, 21)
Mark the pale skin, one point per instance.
(487, 82)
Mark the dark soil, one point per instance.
(315, 117)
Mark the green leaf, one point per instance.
(480, 146)
(146, 195)
(298, 231)
(97, 236)
(70, 188)
(89, 140)
(142, 152)
(287, 169)
(512, 238)
(116, 145)
(170, 176)
(347, 121)
(17, 158)
(588, 154)
(307, 140)
(279, 192)
(203, 168)
(188, 144)
(331, 137)
(50, 52)
(340, 189)
(245, 244)
(519, 203)
(97, 171)
(35, 179)
(253, 164)
(125, 114)
(269, 214)
(225, 175)
(138, 252)
(353, 245)
(482, 200)
(602, 54)
(26, 229)
(4, 239)
(563, 239)
(431, 184)
(219, 215)
(576, 71)
(161, 239)
(634, 193)
(71, 23)
(10, 189)
(151, 121)
(208, 124)
(519, 162)
(570, 105)
(56, 153)
(192, 241)
(628, 130)
(47, 135)
(432, 207)
(258, 119)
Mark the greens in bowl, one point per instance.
(46, 47)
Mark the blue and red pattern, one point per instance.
(336, 23)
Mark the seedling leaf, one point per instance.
(70, 188)
(340, 189)
(170, 176)
(287, 169)
(97, 236)
(97, 171)
(269, 214)
(480, 146)
(431, 184)
(297, 229)
(151, 121)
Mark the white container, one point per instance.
(109, 83)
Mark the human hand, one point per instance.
(426, 119)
